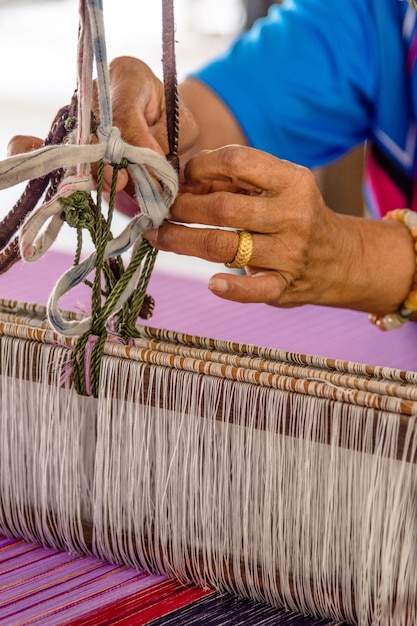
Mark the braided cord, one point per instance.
(170, 81)
(86, 379)
(79, 208)
(118, 293)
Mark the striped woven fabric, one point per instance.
(42, 586)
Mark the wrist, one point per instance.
(376, 262)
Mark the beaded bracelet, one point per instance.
(400, 317)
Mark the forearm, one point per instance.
(216, 124)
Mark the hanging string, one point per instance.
(170, 81)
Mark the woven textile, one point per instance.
(42, 586)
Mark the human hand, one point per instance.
(139, 112)
(302, 251)
(138, 104)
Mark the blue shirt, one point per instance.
(318, 77)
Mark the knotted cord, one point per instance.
(118, 292)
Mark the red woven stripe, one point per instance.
(142, 607)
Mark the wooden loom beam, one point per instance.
(35, 330)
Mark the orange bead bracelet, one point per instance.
(391, 321)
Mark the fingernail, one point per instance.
(218, 285)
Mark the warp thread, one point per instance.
(289, 498)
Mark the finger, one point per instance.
(260, 287)
(187, 134)
(245, 167)
(23, 143)
(229, 210)
(211, 244)
(188, 129)
(208, 187)
(149, 137)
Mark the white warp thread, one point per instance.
(224, 503)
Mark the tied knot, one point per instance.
(77, 211)
(115, 146)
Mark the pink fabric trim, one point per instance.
(383, 194)
(411, 56)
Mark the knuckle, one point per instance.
(233, 156)
(23, 143)
(220, 209)
(161, 238)
(307, 185)
(217, 246)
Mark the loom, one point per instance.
(267, 474)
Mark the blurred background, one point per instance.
(38, 40)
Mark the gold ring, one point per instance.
(244, 250)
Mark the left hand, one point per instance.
(303, 252)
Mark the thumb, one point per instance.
(260, 287)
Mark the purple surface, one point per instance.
(43, 586)
(185, 304)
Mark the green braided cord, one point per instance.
(80, 212)
(95, 364)
(78, 249)
(89, 216)
(127, 326)
(70, 123)
(100, 243)
(99, 235)
(125, 278)
(78, 359)
(118, 267)
(77, 211)
(148, 265)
